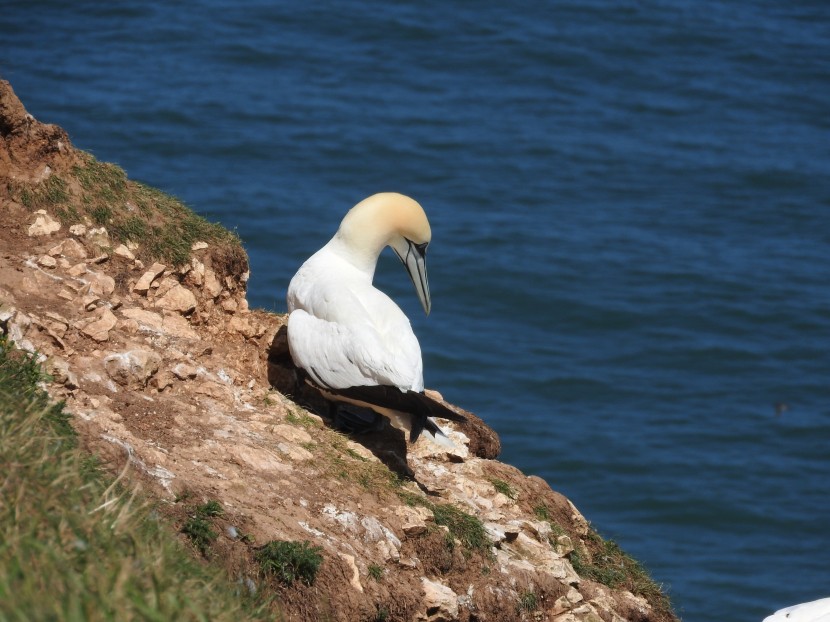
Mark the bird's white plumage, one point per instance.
(345, 332)
(342, 330)
(815, 611)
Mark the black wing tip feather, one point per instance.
(413, 402)
(416, 403)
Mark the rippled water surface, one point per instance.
(631, 217)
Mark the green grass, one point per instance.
(75, 544)
(199, 528)
(528, 601)
(605, 562)
(462, 526)
(289, 561)
(504, 488)
(303, 420)
(101, 194)
(345, 463)
(200, 532)
(542, 512)
(376, 572)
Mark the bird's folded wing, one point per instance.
(338, 355)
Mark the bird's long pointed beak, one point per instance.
(413, 258)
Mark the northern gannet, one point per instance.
(815, 611)
(353, 342)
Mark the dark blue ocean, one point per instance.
(630, 205)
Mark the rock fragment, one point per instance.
(77, 270)
(143, 284)
(99, 285)
(132, 367)
(98, 236)
(43, 224)
(123, 251)
(147, 320)
(213, 287)
(69, 248)
(440, 601)
(58, 369)
(178, 298)
(183, 371)
(414, 519)
(99, 325)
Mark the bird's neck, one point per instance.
(363, 257)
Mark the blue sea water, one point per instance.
(630, 206)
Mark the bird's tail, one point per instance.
(430, 429)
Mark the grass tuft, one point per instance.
(289, 561)
(211, 508)
(199, 529)
(376, 572)
(605, 562)
(528, 601)
(464, 527)
(200, 532)
(303, 420)
(542, 512)
(504, 488)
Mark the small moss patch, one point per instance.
(303, 420)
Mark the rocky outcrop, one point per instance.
(165, 368)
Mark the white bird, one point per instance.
(815, 611)
(354, 343)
